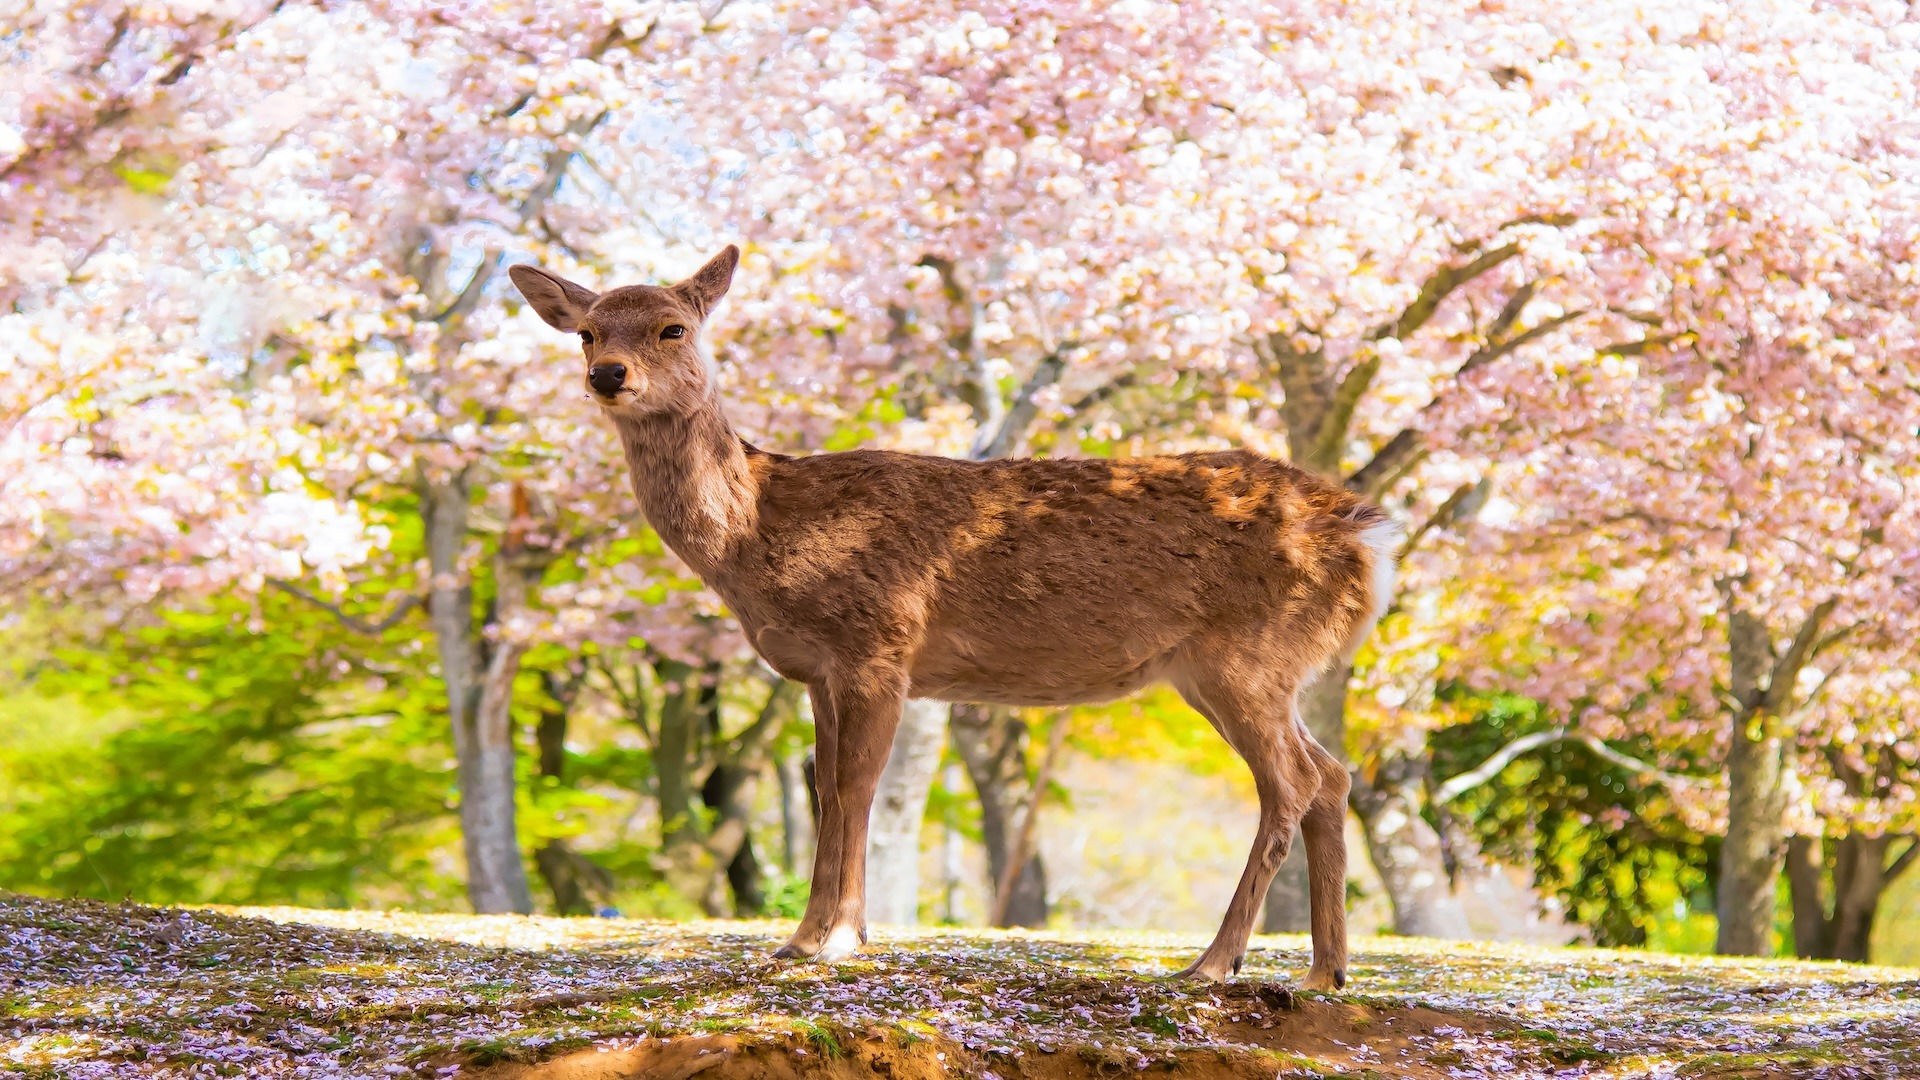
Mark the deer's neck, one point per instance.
(691, 474)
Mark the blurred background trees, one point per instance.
(323, 584)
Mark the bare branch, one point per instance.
(1511, 311)
(1437, 288)
(557, 160)
(1465, 502)
(1398, 453)
(1786, 668)
(475, 288)
(1636, 348)
(614, 36)
(1828, 641)
(1494, 350)
(1019, 415)
(1338, 418)
(1494, 765)
(1309, 392)
(351, 622)
(120, 106)
(1634, 764)
(1101, 394)
(530, 208)
(749, 747)
(1372, 478)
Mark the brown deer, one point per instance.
(873, 576)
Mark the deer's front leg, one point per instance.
(822, 900)
(850, 751)
(849, 754)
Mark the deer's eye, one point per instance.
(672, 332)
(586, 337)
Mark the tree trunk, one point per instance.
(796, 815)
(1405, 849)
(1804, 856)
(728, 792)
(992, 743)
(676, 749)
(899, 807)
(1756, 843)
(574, 879)
(1750, 859)
(1317, 407)
(1861, 875)
(686, 714)
(479, 706)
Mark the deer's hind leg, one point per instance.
(1253, 709)
(1324, 831)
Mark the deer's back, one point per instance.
(1068, 577)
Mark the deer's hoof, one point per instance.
(1201, 971)
(841, 943)
(790, 951)
(1325, 981)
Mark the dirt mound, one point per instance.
(1266, 1030)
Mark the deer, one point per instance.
(871, 576)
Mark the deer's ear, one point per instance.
(709, 284)
(559, 301)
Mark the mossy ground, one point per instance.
(90, 989)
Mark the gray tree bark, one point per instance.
(899, 808)
(1406, 850)
(728, 793)
(1861, 874)
(575, 880)
(1752, 854)
(1762, 684)
(686, 715)
(992, 743)
(796, 814)
(479, 706)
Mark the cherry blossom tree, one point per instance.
(1726, 525)
(1647, 272)
(256, 279)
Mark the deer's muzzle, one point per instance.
(607, 378)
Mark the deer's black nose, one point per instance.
(608, 378)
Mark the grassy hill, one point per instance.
(96, 990)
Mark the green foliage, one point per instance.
(146, 174)
(786, 895)
(1896, 931)
(1606, 842)
(1156, 725)
(236, 754)
(880, 411)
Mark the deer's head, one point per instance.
(641, 341)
